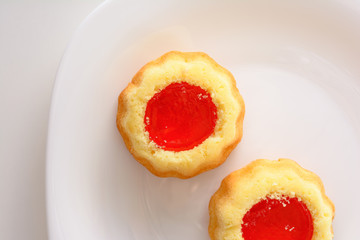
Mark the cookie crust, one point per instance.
(243, 188)
(194, 68)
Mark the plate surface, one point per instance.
(296, 65)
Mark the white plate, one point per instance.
(296, 65)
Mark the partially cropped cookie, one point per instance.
(271, 200)
(181, 114)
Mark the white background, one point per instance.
(33, 38)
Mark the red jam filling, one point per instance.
(180, 117)
(278, 219)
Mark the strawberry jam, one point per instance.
(278, 219)
(180, 117)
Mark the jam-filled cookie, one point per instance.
(271, 200)
(181, 114)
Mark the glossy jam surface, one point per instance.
(282, 218)
(180, 117)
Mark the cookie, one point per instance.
(181, 114)
(271, 200)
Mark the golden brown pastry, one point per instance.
(272, 200)
(181, 115)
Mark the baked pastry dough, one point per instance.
(147, 137)
(247, 195)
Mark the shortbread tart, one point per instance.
(271, 200)
(181, 114)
